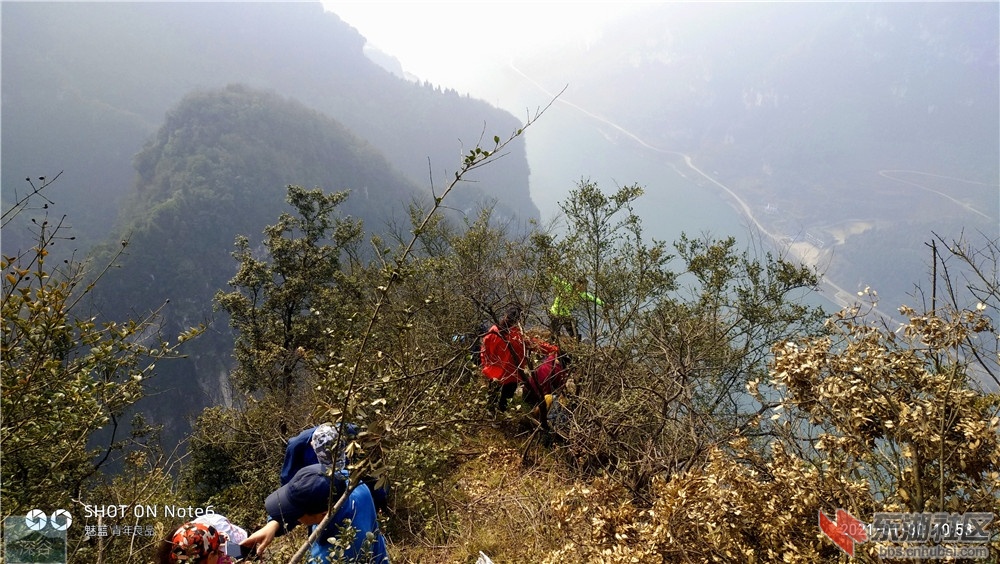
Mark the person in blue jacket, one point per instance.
(302, 449)
(324, 444)
(304, 500)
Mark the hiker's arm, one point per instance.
(262, 537)
(591, 298)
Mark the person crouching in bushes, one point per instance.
(543, 383)
(304, 500)
(202, 541)
(324, 444)
(504, 356)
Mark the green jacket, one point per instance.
(567, 298)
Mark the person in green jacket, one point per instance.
(568, 297)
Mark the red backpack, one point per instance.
(550, 375)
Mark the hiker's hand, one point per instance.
(262, 537)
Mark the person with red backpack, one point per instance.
(542, 384)
(504, 356)
(550, 375)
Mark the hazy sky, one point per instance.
(456, 44)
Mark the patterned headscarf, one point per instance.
(328, 446)
(194, 543)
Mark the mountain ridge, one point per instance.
(85, 85)
(217, 169)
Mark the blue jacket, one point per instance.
(360, 509)
(298, 454)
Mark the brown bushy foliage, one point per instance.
(739, 507)
(900, 408)
(868, 420)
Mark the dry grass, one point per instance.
(497, 500)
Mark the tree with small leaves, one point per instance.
(69, 381)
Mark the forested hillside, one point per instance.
(216, 169)
(277, 263)
(86, 84)
(709, 413)
(87, 87)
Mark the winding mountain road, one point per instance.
(888, 174)
(834, 293)
(838, 295)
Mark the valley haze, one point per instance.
(845, 136)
